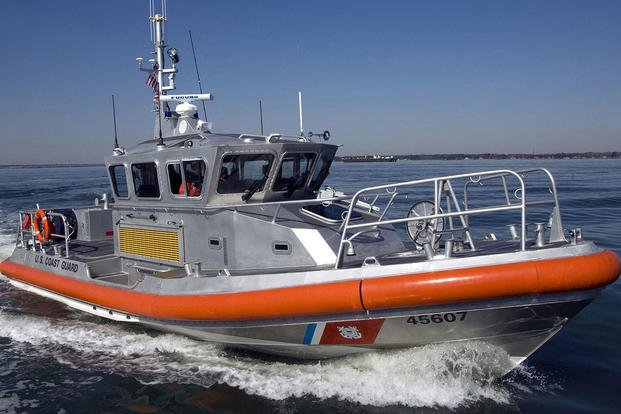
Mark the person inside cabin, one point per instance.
(193, 186)
(174, 173)
(224, 174)
(193, 178)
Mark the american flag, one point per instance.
(152, 81)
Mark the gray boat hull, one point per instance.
(519, 326)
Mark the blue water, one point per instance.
(55, 360)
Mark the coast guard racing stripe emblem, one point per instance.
(343, 333)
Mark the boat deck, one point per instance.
(104, 265)
(88, 251)
(484, 248)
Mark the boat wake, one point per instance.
(447, 375)
(6, 245)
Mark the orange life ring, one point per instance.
(41, 220)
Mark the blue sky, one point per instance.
(384, 77)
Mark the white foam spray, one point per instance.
(447, 375)
(7, 244)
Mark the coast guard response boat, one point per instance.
(231, 238)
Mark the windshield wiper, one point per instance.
(295, 184)
(254, 187)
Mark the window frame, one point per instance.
(180, 162)
(265, 187)
(310, 170)
(322, 156)
(157, 176)
(113, 181)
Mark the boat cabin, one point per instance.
(218, 169)
(216, 203)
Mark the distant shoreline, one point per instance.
(410, 157)
(490, 156)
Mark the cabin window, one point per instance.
(293, 172)
(119, 181)
(174, 177)
(186, 178)
(240, 173)
(321, 172)
(145, 180)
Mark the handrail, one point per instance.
(66, 236)
(277, 204)
(251, 136)
(556, 229)
(300, 138)
(272, 137)
(434, 216)
(439, 187)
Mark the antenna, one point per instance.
(151, 13)
(261, 115)
(116, 141)
(198, 76)
(160, 143)
(301, 120)
(164, 15)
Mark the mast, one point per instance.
(159, 50)
(158, 21)
(183, 118)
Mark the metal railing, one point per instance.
(272, 138)
(555, 224)
(442, 186)
(32, 236)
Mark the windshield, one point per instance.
(239, 172)
(293, 172)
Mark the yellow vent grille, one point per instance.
(159, 244)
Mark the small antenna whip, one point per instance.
(198, 76)
(151, 13)
(261, 115)
(116, 141)
(301, 120)
(159, 120)
(164, 14)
